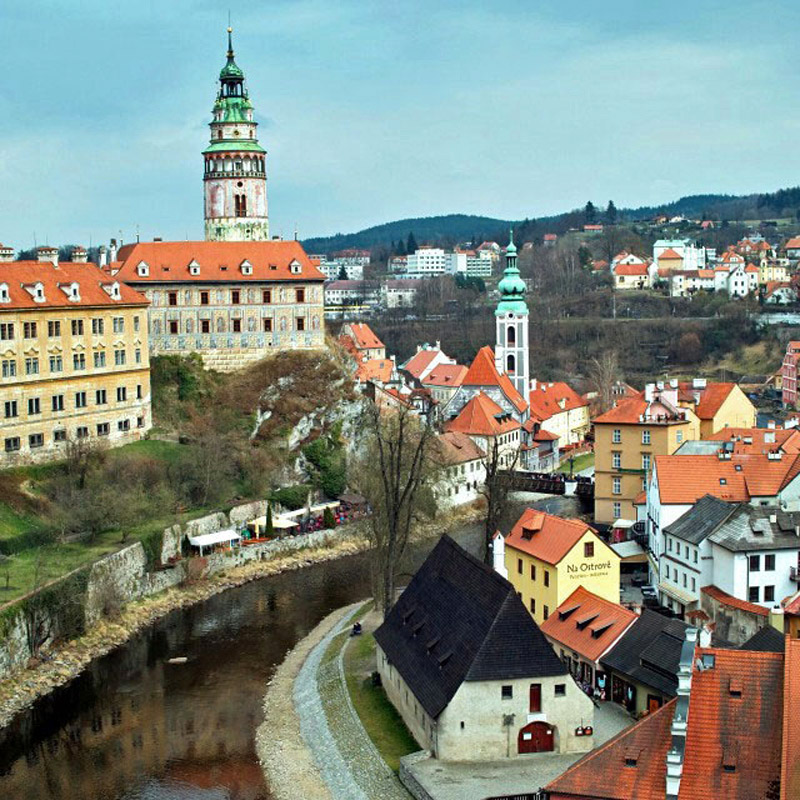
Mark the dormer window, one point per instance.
(246, 267)
(72, 291)
(194, 268)
(4, 295)
(295, 267)
(142, 269)
(36, 291)
(112, 290)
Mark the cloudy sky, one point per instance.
(373, 111)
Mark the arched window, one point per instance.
(511, 335)
(511, 364)
(220, 325)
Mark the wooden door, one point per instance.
(536, 737)
(535, 698)
(653, 703)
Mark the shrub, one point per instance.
(291, 497)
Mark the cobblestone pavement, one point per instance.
(478, 780)
(349, 763)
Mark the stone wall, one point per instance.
(732, 625)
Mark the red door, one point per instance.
(536, 737)
(536, 698)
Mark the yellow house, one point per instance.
(547, 557)
(626, 440)
(769, 271)
(717, 405)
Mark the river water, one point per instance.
(132, 727)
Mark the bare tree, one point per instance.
(604, 373)
(495, 489)
(394, 478)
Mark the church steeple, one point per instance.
(235, 163)
(511, 315)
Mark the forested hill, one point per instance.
(450, 229)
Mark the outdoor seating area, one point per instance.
(215, 542)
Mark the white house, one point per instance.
(463, 469)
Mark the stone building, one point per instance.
(470, 672)
(232, 302)
(74, 358)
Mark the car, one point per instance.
(649, 591)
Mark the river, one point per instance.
(133, 727)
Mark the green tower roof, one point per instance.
(511, 287)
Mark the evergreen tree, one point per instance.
(590, 213)
(400, 249)
(611, 212)
(327, 518)
(342, 276)
(269, 527)
(411, 244)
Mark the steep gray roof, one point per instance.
(767, 640)
(758, 528)
(701, 520)
(457, 621)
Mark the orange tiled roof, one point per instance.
(376, 369)
(445, 375)
(545, 399)
(420, 361)
(669, 255)
(218, 261)
(627, 411)
(454, 447)
(16, 275)
(793, 243)
(481, 416)
(734, 602)
(790, 749)
(482, 372)
(785, 439)
(364, 337)
(631, 269)
(546, 536)
(588, 624)
(711, 398)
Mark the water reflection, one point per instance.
(133, 727)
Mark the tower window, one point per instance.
(511, 365)
(511, 336)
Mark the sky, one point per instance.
(375, 111)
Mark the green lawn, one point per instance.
(581, 462)
(378, 716)
(12, 523)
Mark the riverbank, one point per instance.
(20, 688)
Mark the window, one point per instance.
(119, 324)
(136, 324)
(9, 368)
(669, 544)
(172, 298)
(236, 297)
(29, 330)
(646, 462)
(616, 510)
(753, 594)
(769, 562)
(533, 572)
(616, 437)
(507, 692)
(203, 298)
(646, 436)
(519, 566)
(60, 435)
(102, 429)
(560, 690)
(616, 485)
(695, 555)
(122, 394)
(694, 584)
(119, 358)
(532, 606)
(300, 295)
(99, 359)
(755, 563)
(81, 432)
(266, 296)
(588, 549)
(6, 331)
(173, 326)
(300, 323)
(679, 436)
(57, 401)
(12, 444)
(10, 408)
(97, 327)
(684, 580)
(546, 574)
(236, 325)
(124, 425)
(100, 397)
(31, 366)
(545, 612)
(80, 399)
(79, 361)
(205, 326)
(769, 594)
(616, 460)
(77, 327)
(137, 356)
(535, 705)
(35, 440)
(138, 391)
(56, 364)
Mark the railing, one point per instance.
(794, 575)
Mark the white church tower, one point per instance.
(511, 315)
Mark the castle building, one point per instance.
(235, 176)
(74, 358)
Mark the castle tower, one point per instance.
(511, 315)
(235, 175)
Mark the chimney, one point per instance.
(6, 253)
(771, 424)
(102, 256)
(673, 383)
(112, 251)
(79, 255)
(533, 384)
(680, 719)
(47, 253)
(499, 555)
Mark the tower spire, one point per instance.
(230, 39)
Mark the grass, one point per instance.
(378, 716)
(581, 462)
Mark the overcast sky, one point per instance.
(374, 111)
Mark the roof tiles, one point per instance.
(546, 536)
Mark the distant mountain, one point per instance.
(452, 228)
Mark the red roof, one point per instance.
(218, 261)
(588, 624)
(793, 243)
(17, 275)
(630, 269)
(669, 254)
(626, 411)
(790, 750)
(547, 537)
(482, 372)
(376, 369)
(363, 336)
(711, 397)
(454, 447)
(445, 375)
(547, 399)
(420, 361)
(754, 440)
(734, 602)
(481, 416)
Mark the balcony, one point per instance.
(793, 575)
